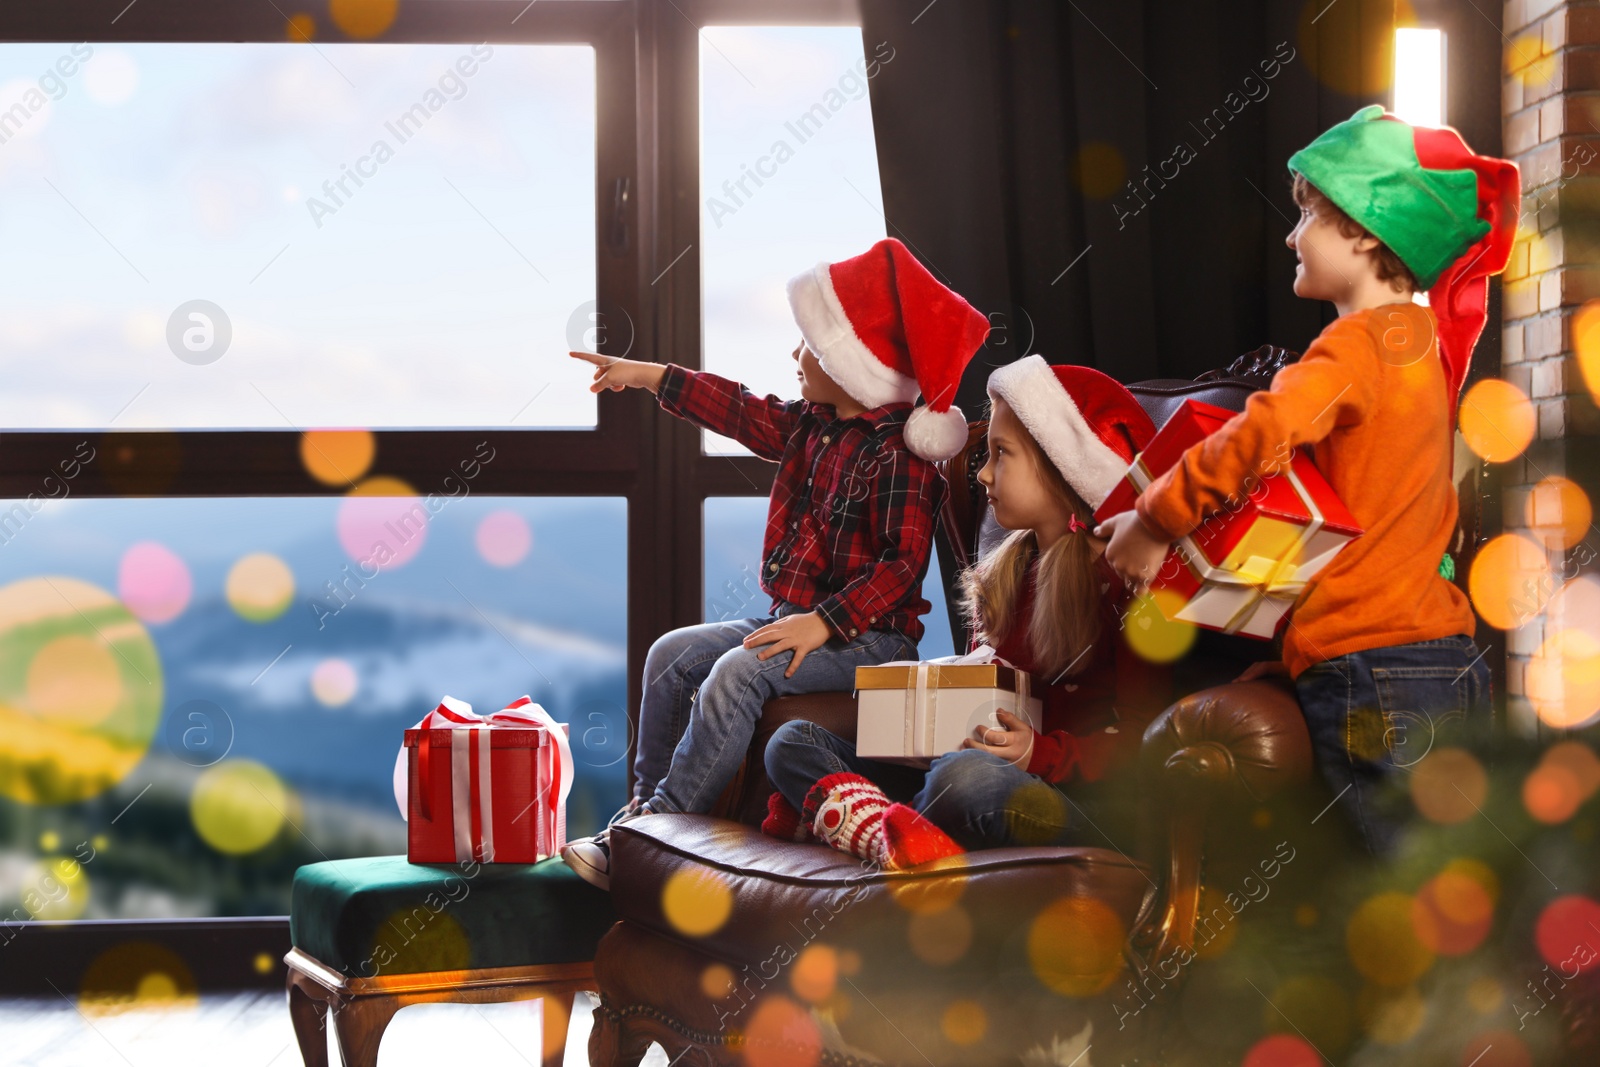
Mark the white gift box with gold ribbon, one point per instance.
(910, 712)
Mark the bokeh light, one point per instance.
(382, 523)
(238, 806)
(333, 682)
(55, 889)
(259, 587)
(153, 582)
(363, 19)
(1551, 793)
(338, 457)
(1151, 629)
(696, 901)
(1449, 785)
(410, 942)
(1099, 170)
(964, 1022)
(924, 896)
(941, 937)
(1383, 944)
(137, 974)
(1497, 420)
(781, 1034)
(1075, 946)
(1510, 581)
(1391, 1016)
(1565, 933)
(1451, 914)
(503, 538)
(1562, 680)
(80, 690)
(1496, 1048)
(1578, 759)
(1586, 342)
(1485, 996)
(300, 28)
(716, 981)
(1559, 511)
(815, 973)
(74, 680)
(1314, 1006)
(1282, 1050)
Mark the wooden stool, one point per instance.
(374, 935)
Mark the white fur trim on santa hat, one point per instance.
(936, 435)
(843, 355)
(1034, 392)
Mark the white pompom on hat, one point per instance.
(886, 330)
(1087, 423)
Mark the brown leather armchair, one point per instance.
(968, 961)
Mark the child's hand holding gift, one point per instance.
(1133, 552)
(802, 633)
(1012, 740)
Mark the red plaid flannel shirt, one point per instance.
(850, 525)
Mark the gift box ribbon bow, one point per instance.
(470, 735)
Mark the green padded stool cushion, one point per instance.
(382, 915)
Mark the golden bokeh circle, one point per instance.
(80, 690)
(137, 974)
(964, 1022)
(1382, 942)
(1449, 785)
(363, 19)
(1586, 343)
(1497, 420)
(1391, 1016)
(238, 806)
(300, 28)
(1562, 680)
(696, 902)
(1510, 581)
(1152, 630)
(1075, 946)
(1559, 511)
(814, 975)
(716, 981)
(338, 457)
(416, 940)
(1099, 169)
(259, 587)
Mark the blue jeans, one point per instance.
(976, 797)
(703, 692)
(1375, 714)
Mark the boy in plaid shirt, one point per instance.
(849, 528)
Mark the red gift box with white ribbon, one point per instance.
(1243, 569)
(484, 789)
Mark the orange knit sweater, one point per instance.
(1369, 398)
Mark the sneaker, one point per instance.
(590, 857)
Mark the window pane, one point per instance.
(208, 693)
(734, 526)
(384, 235)
(789, 178)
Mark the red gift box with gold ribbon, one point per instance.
(484, 789)
(1244, 567)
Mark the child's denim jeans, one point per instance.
(1373, 715)
(703, 692)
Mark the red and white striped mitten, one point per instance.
(784, 822)
(846, 811)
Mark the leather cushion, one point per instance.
(381, 914)
(782, 894)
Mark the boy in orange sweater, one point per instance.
(1379, 644)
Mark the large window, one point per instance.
(272, 235)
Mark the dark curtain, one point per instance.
(1106, 178)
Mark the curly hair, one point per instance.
(1389, 266)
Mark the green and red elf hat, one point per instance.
(1450, 215)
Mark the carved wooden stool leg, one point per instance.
(555, 1013)
(310, 1017)
(360, 1025)
(612, 1043)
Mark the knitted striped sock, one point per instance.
(846, 812)
(911, 839)
(784, 822)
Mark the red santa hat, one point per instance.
(1086, 422)
(885, 330)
